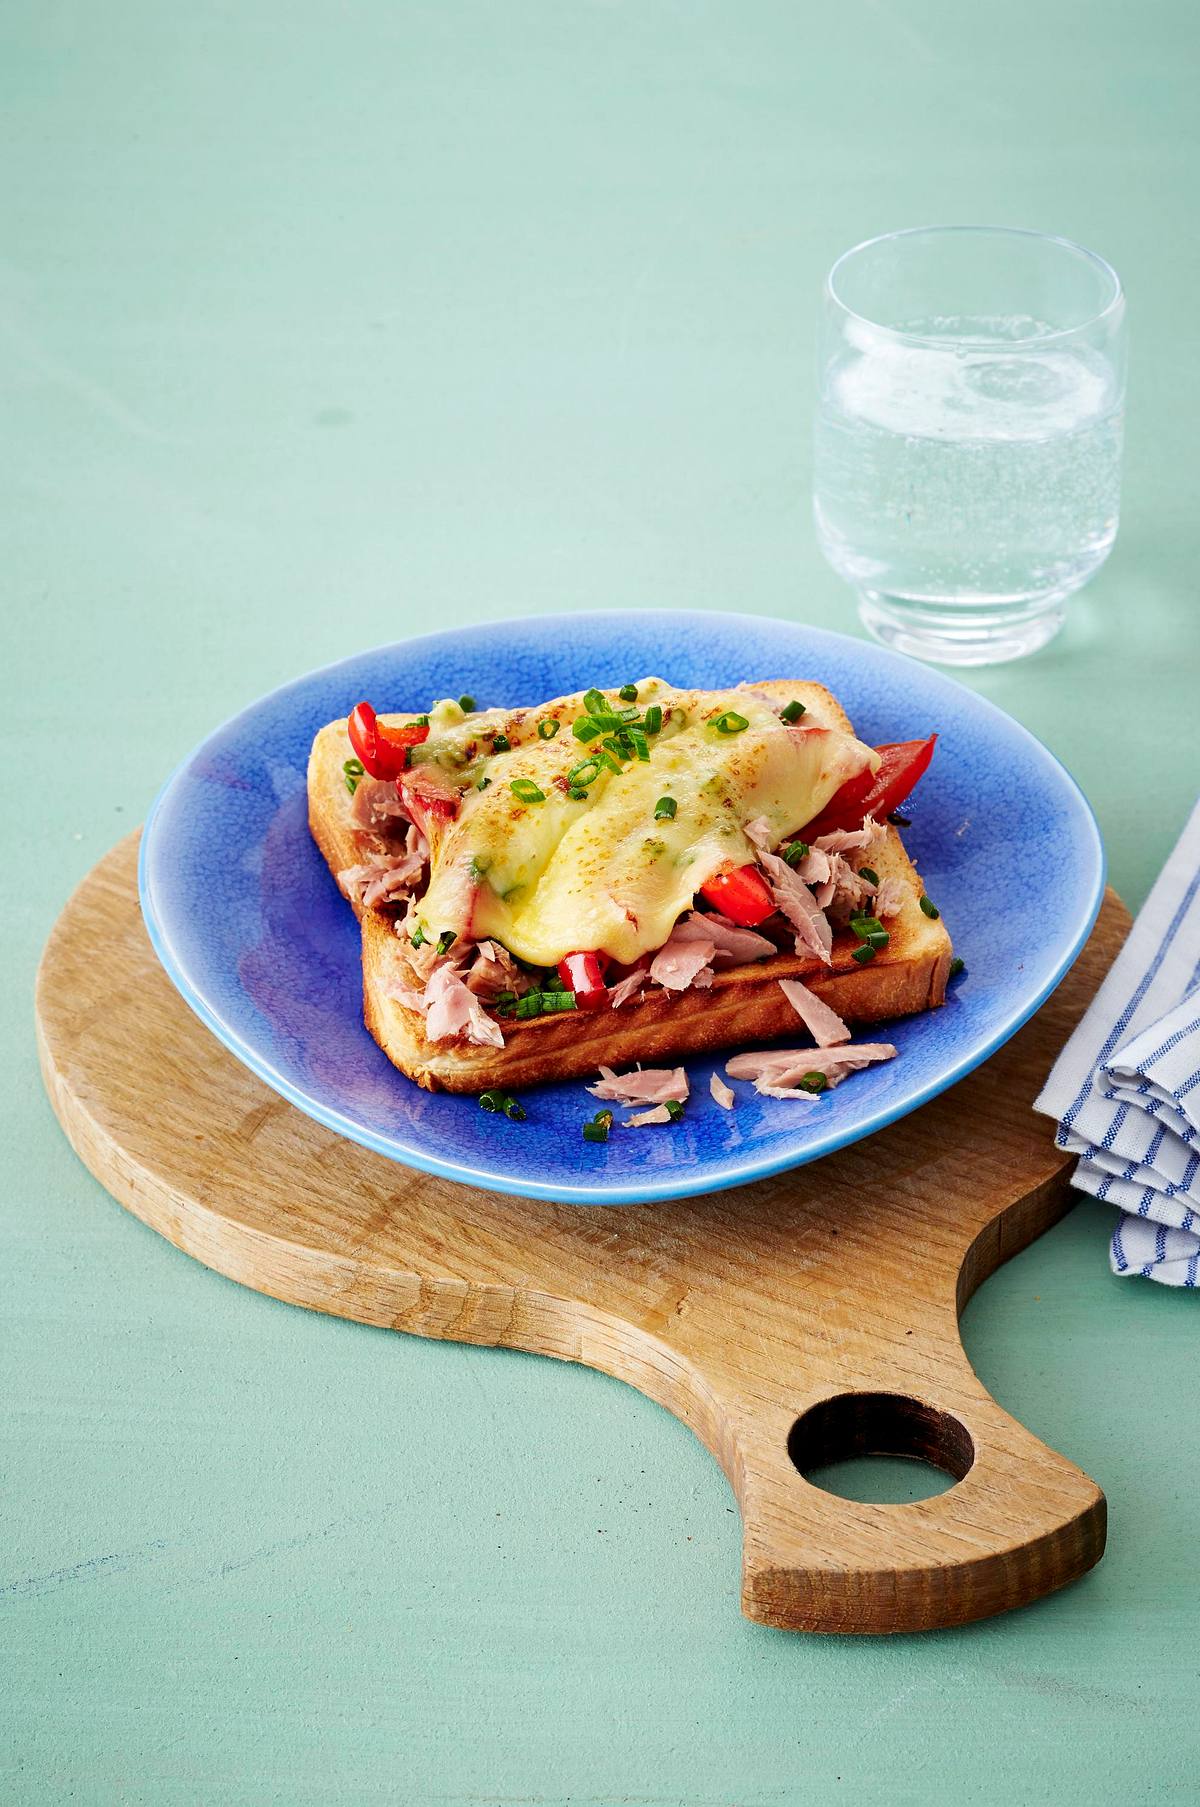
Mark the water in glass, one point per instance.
(954, 471)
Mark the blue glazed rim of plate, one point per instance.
(642, 1189)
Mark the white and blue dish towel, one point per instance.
(1125, 1090)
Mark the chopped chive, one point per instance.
(502, 1104)
(596, 703)
(483, 782)
(467, 704)
(575, 794)
(664, 809)
(608, 760)
(553, 983)
(652, 721)
(596, 1128)
(446, 940)
(639, 744)
(730, 722)
(352, 783)
(503, 1002)
(586, 729)
(813, 1082)
(561, 1000)
(870, 930)
(791, 712)
(628, 693)
(674, 1109)
(871, 877)
(418, 936)
(526, 791)
(586, 772)
(795, 851)
(929, 908)
(549, 728)
(530, 1004)
(353, 768)
(501, 744)
(957, 966)
(627, 715)
(863, 954)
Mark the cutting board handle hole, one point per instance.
(850, 1426)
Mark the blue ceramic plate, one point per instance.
(250, 926)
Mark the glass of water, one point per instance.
(968, 440)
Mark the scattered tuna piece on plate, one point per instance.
(723, 1094)
(649, 1085)
(780, 1072)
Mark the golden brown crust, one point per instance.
(744, 1005)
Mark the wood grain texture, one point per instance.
(809, 1315)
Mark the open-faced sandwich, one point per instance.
(625, 876)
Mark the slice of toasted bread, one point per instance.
(744, 1005)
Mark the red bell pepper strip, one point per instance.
(901, 764)
(584, 975)
(384, 751)
(742, 894)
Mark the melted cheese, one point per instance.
(547, 879)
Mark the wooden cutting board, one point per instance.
(801, 1319)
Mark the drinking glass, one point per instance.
(971, 385)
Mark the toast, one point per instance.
(744, 1004)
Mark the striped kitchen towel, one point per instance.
(1126, 1088)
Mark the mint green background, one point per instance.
(323, 324)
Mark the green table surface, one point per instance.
(326, 324)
